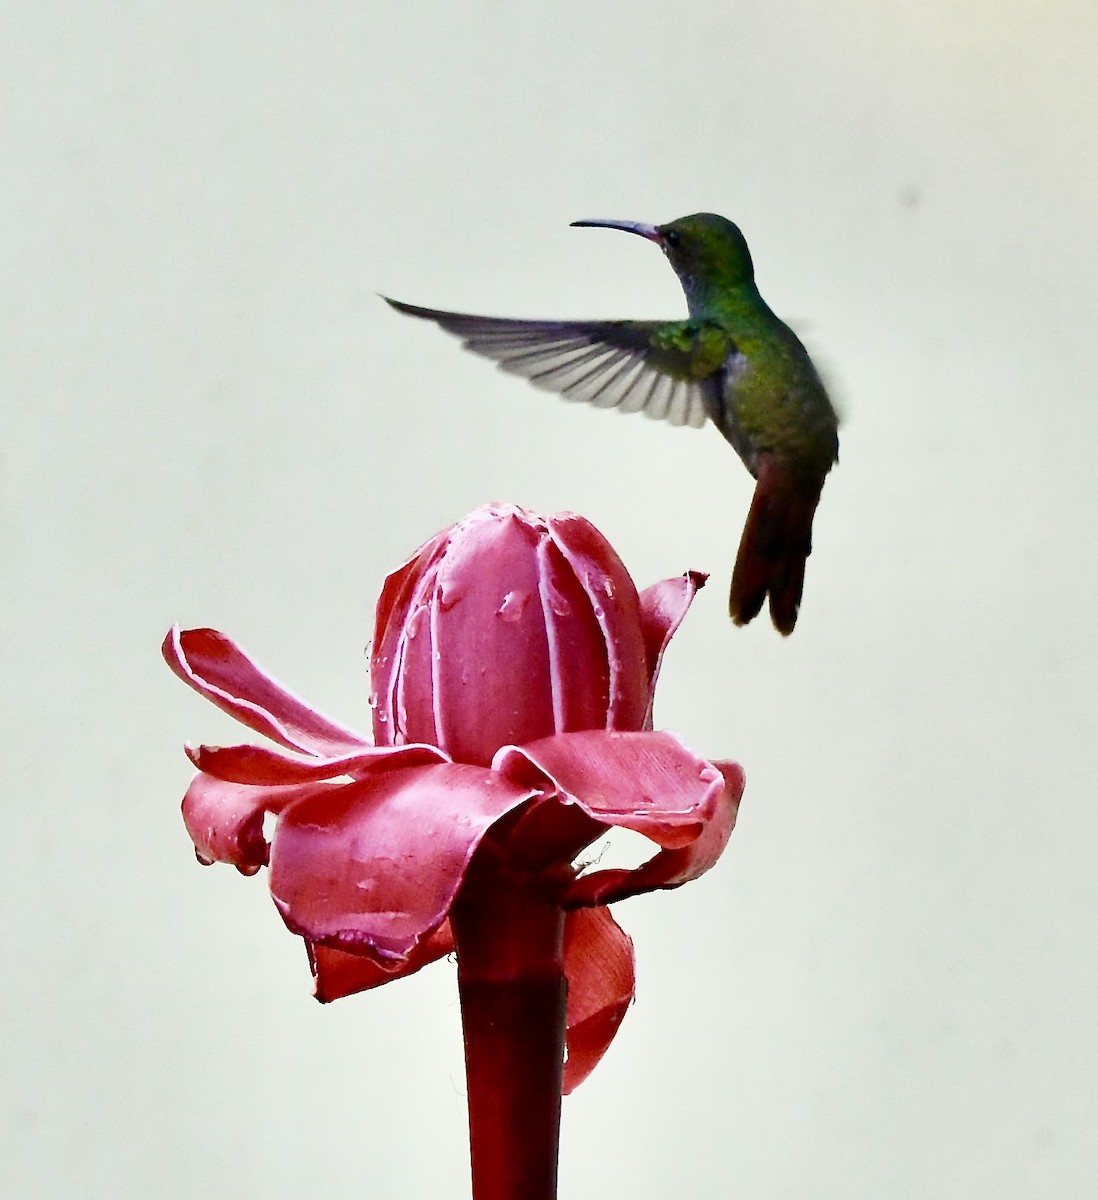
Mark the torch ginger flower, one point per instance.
(513, 670)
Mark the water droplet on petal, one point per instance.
(513, 605)
(414, 622)
(558, 605)
(448, 594)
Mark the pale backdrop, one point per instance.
(887, 987)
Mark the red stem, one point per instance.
(508, 932)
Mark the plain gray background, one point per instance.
(887, 986)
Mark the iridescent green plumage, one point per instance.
(731, 361)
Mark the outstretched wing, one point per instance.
(633, 366)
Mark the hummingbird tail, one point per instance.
(776, 541)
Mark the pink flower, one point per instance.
(513, 671)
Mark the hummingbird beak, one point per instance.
(645, 231)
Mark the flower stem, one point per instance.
(508, 932)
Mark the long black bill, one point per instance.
(645, 231)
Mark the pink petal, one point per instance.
(578, 657)
(337, 974)
(663, 606)
(215, 666)
(614, 599)
(598, 960)
(490, 675)
(403, 592)
(648, 782)
(225, 820)
(374, 865)
(412, 712)
(263, 765)
(672, 867)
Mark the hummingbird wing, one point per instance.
(633, 366)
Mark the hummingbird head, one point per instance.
(707, 252)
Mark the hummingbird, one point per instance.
(732, 362)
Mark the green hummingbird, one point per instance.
(732, 361)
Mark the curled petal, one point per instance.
(225, 820)
(372, 866)
(647, 782)
(265, 766)
(676, 865)
(405, 590)
(215, 667)
(598, 960)
(337, 974)
(613, 597)
(663, 606)
(581, 664)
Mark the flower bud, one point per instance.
(507, 628)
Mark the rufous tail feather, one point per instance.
(776, 541)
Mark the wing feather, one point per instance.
(608, 364)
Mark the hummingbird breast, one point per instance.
(772, 401)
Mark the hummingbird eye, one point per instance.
(672, 237)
